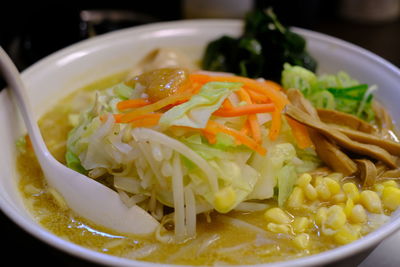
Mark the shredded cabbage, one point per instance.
(196, 112)
(178, 168)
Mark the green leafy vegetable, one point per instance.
(339, 92)
(261, 51)
(74, 162)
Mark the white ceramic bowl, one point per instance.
(69, 69)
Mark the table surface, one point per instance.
(383, 40)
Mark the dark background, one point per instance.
(31, 33)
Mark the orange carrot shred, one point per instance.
(132, 103)
(244, 110)
(214, 128)
(252, 118)
(300, 133)
(147, 120)
(127, 117)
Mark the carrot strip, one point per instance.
(132, 103)
(211, 138)
(300, 133)
(149, 116)
(244, 110)
(273, 85)
(117, 117)
(147, 120)
(263, 88)
(227, 104)
(252, 118)
(127, 117)
(267, 89)
(258, 98)
(214, 128)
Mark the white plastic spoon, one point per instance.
(86, 197)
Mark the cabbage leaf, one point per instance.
(196, 112)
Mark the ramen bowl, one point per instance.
(67, 70)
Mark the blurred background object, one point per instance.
(370, 11)
(29, 33)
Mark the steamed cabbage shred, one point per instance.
(143, 163)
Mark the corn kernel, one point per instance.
(336, 217)
(300, 224)
(345, 235)
(318, 180)
(370, 200)
(351, 191)
(310, 192)
(337, 176)
(323, 191)
(277, 215)
(302, 241)
(339, 198)
(391, 197)
(379, 189)
(333, 186)
(296, 198)
(321, 216)
(304, 180)
(358, 214)
(225, 199)
(348, 208)
(390, 183)
(278, 228)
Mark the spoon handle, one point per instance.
(15, 84)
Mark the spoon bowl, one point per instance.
(84, 196)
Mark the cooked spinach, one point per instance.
(261, 51)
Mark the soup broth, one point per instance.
(237, 237)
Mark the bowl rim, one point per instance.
(100, 258)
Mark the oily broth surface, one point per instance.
(217, 240)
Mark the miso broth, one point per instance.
(234, 238)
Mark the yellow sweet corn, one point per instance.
(358, 214)
(278, 228)
(332, 185)
(390, 183)
(304, 180)
(277, 215)
(310, 192)
(300, 224)
(345, 235)
(351, 191)
(391, 197)
(321, 216)
(371, 201)
(337, 176)
(301, 241)
(225, 199)
(323, 191)
(336, 217)
(318, 180)
(339, 198)
(296, 198)
(378, 188)
(348, 208)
